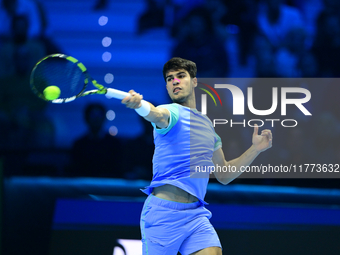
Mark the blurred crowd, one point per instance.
(22, 44)
(245, 38)
(261, 38)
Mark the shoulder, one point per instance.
(174, 110)
(168, 106)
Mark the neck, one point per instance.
(190, 102)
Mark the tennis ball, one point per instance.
(51, 92)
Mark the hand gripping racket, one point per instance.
(72, 78)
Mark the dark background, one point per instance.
(240, 39)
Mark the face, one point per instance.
(180, 85)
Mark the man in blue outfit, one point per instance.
(174, 217)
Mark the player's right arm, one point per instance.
(157, 115)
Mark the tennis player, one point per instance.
(174, 218)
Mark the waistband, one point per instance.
(172, 204)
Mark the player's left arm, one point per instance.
(261, 143)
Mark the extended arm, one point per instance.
(260, 143)
(159, 116)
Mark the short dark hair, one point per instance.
(180, 63)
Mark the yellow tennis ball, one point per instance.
(51, 92)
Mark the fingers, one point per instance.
(256, 129)
(263, 141)
(133, 101)
(268, 134)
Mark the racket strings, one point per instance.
(58, 72)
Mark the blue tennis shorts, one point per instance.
(168, 227)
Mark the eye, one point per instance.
(169, 79)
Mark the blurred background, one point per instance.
(95, 146)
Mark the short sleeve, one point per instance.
(218, 143)
(174, 115)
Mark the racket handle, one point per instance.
(143, 111)
(115, 93)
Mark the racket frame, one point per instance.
(101, 90)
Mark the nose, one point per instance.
(176, 80)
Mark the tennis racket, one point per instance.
(72, 78)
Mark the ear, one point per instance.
(194, 82)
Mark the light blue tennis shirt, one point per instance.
(183, 151)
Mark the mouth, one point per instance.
(176, 90)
